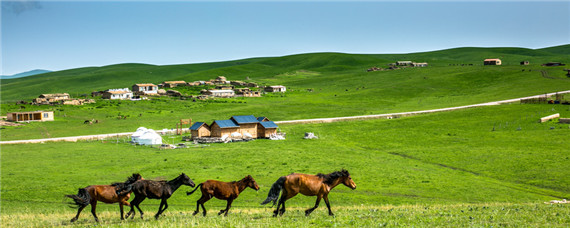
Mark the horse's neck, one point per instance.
(334, 184)
(174, 184)
(241, 185)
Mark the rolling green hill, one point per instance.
(85, 80)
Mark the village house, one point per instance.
(51, 98)
(145, 89)
(524, 63)
(492, 62)
(273, 89)
(172, 84)
(251, 94)
(200, 129)
(30, 116)
(219, 93)
(117, 94)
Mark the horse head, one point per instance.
(347, 180)
(186, 180)
(251, 182)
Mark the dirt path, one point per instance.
(305, 121)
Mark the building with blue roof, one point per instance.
(200, 129)
(266, 128)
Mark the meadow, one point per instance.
(491, 166)
(480, 167)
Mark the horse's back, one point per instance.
(305, 184)
(219, 189)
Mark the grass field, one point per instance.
(492, 166)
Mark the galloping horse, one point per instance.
(222, 190)
(156, 190)
(104, 193)
(310, 185)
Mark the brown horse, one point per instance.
(156, 190)
(310, 185)
(104, 193)
(222, 190)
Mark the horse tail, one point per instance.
(190, 193)
(273, 194)
(82, 198)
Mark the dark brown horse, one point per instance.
(310, 185)
(222, 190)
(104, 193)
(156, 190)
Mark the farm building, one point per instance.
(266, 128)
(30, 116)
(251, 94)
(56, 96)
(247, 125)
(145, 89)
(524, 63)
(420, 64)
(172, 84)
(273, 89)
(117, 94)
(200, 129)
(492, 62)
(219, 93)
(404, 63)
(227, 128)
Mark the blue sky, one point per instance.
(58, 35)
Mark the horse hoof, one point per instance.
(73, 220)
(195, 213)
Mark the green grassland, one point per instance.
(482, 167)
(319, 85)
(486, 166)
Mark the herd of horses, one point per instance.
(318, 185)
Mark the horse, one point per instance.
(104, 193)
(156, 190)
(228, 191)
(318, 185)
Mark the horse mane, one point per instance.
(331, 177)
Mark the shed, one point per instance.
(524, 63)
(266, 128)
(262, 118)
(492, 62)
(220, 128)
(30, 116)
(247, 125)
(200, 129)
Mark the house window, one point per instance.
(46, 115)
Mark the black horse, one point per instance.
(156, 190)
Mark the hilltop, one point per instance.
(88, 79)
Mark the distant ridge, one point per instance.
(24, 74)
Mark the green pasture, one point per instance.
(491, 166)
(311, 94)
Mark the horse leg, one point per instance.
(78, 212)
(326, 197)
(227, 207)
(162, 208)
(93, 207)
(201, 201)
(308, 211)
(281, 202)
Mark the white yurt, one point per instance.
(145, 136)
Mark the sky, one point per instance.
(58, 35)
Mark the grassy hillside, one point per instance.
(470, 167)
(319, 85)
